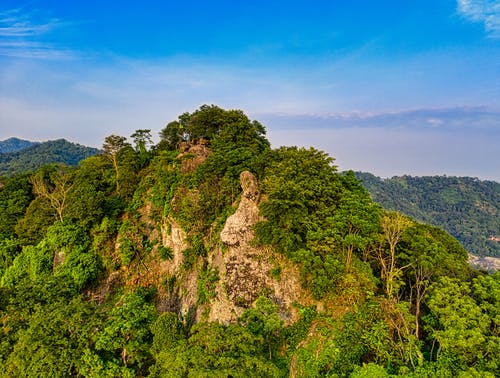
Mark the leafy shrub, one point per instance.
(166, 253)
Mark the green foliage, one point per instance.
(53, 342)
(93, 366)
(68, 274)
(88, 200)
(263, 321)
(301, 186)
(222, 128)
(143, 142)
(168, 333)
(14, 144)
(196, 250)
(34, 263)
(82, 267)
(370, 370)
(128, 165)
(38, 217)
(128, 245)
(465, 207)
(103, 242)
(158, 185)
(214, 350)
(66, 236)
(9, 249)
(207, 279)
(318, 218)
(15, 197)
(203, 123)
(462, 324)
(355, 222)
(171, 136)
(126, 330)
(166, 253)
(486, 292)
(297, 332)
(432, 251)
(32, 158)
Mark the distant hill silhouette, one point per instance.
(468, 208)
(15, 144)
(34, 155)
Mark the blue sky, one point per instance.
(389, 87)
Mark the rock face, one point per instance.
(238, 228)
(184, 299)
(173, 237)
(192, 155)
(244, 270)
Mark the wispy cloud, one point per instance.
(23, 34)
(447, 119)
(484, 11)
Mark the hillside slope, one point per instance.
(36, 155)
(14, 144)
(214, 255)
(468, 208)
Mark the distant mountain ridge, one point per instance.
(15, 144)
(468, 208)
(26, 156)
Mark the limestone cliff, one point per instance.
(244, 269)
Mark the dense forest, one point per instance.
(14, 144)
(468, 208)
(210, 254)
(18, 156)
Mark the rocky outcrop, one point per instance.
(244, 269)
(192, 155)
(238, 228)
(173, 237)
(183, 298)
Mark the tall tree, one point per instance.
(112, 146)
(393, 225)
(54, 187)
(142, 140)
(354, 224)
(430, 253)
(172, 135)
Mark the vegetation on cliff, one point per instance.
(211, 254)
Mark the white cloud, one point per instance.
(21, 33)
(22, 26)
(485, 11)
(449, 119)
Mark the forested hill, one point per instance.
(34, 155)
(14, 144)
(211, 254)
(467, 208)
